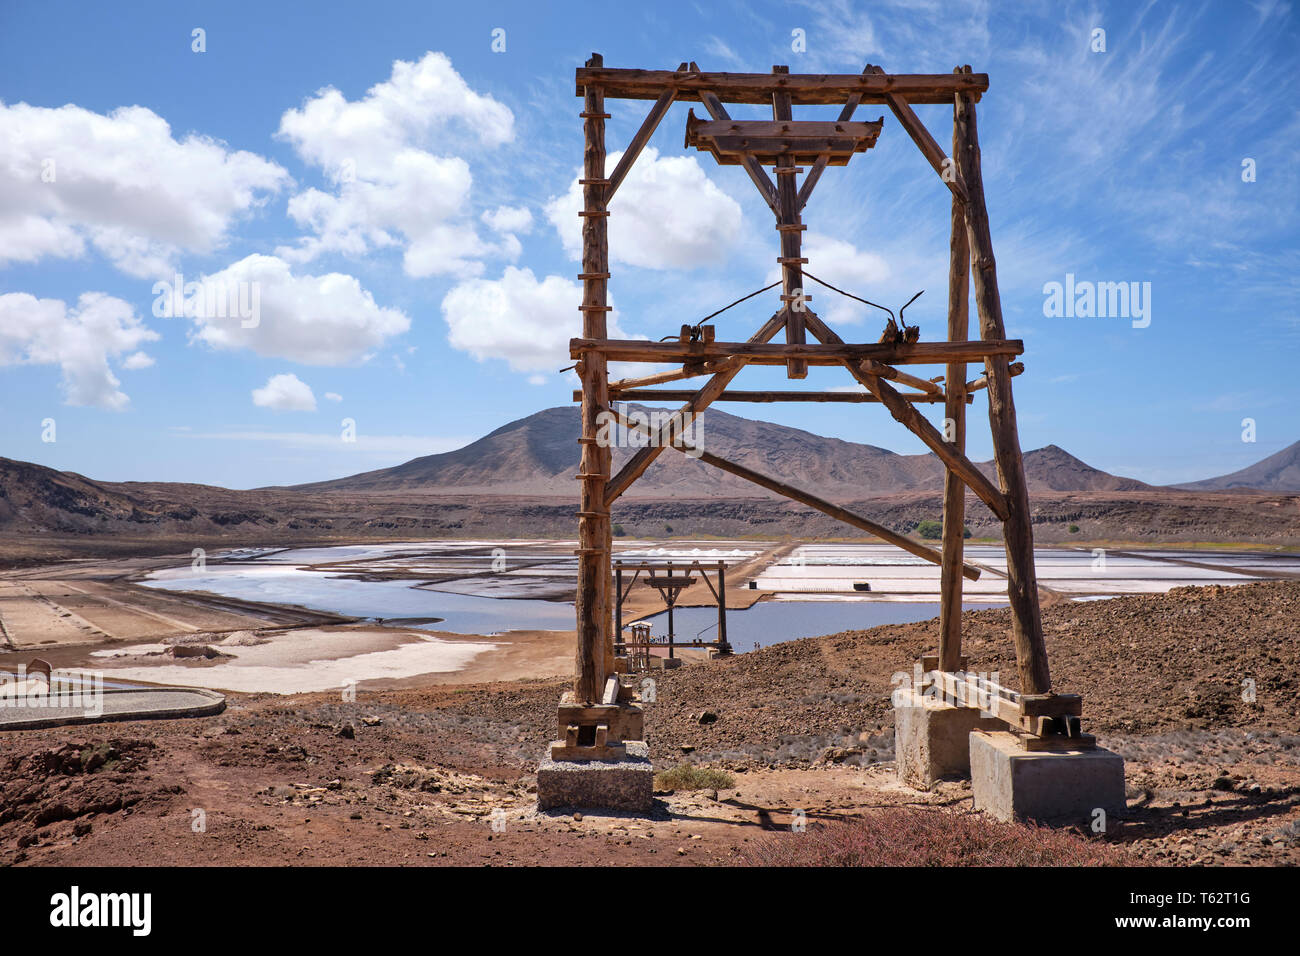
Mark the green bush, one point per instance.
(618, 531)
(930, 529)
(1074, 529)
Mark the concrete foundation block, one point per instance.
(626, 784)
(932, 738)
(1058, 788)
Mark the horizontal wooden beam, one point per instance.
(777, 353)
(803, 88)
(681, 395)
(805, 498)
(780, 142)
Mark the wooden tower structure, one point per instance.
(600, 711)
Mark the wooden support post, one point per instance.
(789, 225)
(618, 610)
(954, 491)
(1017, 530)
(724, 646)
(594, 531)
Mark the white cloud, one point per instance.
(334, 396)
(137, 360)
(392, 188)
(517, 318)
(844, 266)
(121, 182)
(314, 319)
(79, 340)
(509, 219)
(285, 393)
(667, 214)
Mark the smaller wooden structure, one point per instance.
(670, 579)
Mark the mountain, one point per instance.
(538, 456)
(1280, 472)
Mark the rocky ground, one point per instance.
(420, 775)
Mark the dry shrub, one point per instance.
(690, 777)
(909, 836)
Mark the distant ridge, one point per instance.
(538, 455)
(1279, 472)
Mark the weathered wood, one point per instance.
(1015, 368)
(755, 171)
(594, 529)
(635, 466)
(787, 201)
(1017, 530)
(766, 397)
(954, 491)
(804, 89)
(805, 498)
(931, 150)
(907, 415)
(730, 142)
(647, 129)
(776, 353)
(658, 378)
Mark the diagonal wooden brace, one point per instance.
(805, 498)
(904, 412)
(715, 386)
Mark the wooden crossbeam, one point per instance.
(726, 370)
(826, 89)
(765, 397)
(777, 353)
(804, 497)
(771, 143)
(907, 415)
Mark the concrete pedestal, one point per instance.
(932, 738)
(626, 784)
(1060, 788)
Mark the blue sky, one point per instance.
(401, 196)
